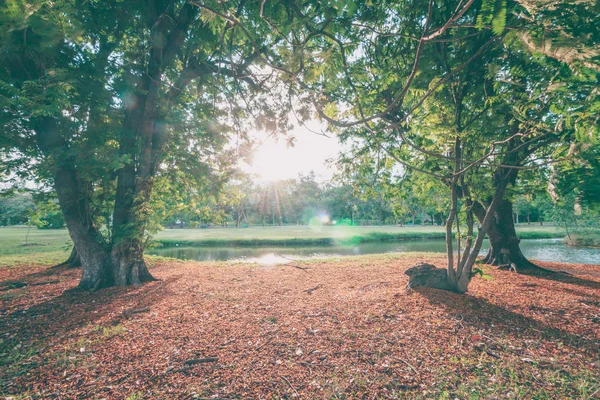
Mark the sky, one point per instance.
(274, 160)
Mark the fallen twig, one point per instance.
(44, 283)
(289, 383)
(311, 290)
(406, 362)
(194, 361)
(228, 342)
(428, 352)
(135, 311)
(8, 285)
(297, 266)
(492, 354)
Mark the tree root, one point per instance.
(74, 261)
(9, 285)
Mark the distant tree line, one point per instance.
(24, 208)
(240, 202)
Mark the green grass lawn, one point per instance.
(290, 235)
(49, 246)
(41, 246)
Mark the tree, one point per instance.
(383, 105)
(103, 96)
(414, 91)
(238, 194)
(14, 208)
(575, 191)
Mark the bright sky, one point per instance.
(274, 160)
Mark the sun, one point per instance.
(273, 161)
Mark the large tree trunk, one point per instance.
(504, 242)
(73, 198)
(87, 239)
(103, 264)
(127, 264)
(143, 138)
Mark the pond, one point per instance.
(535, 249)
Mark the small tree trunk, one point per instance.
(466, 268)
(27, 235)
(91, 248)
(451, 271)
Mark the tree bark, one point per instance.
(73, 198)
(469, 259)
(87, 239)
(504, 242)
(142, 140)
(134, 186)
(127, 264)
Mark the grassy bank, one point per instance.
(337, 330)
(53, 246)
(293, 235)
(590, 239)
(326, 235)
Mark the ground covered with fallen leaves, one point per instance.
(339, 329)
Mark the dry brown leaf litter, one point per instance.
(342, 329)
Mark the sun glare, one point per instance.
(275, 160)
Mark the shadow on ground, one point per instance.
(54, 312)
(560, 276)
(484, 316)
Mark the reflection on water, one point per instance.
(536, 249)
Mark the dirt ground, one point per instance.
(338, 329)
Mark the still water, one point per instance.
(535, 249)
